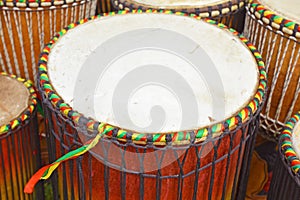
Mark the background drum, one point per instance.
(273, 26)
(286, 176)
(19, 139)
(208, 159)
(229, 12)
(25, 26)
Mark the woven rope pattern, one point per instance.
(270, 17)
(37, 3)
(286, 144)
(203, 11)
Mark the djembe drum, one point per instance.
(273, 26)
(286, 176)
(25, 26)
(206, 155)
(229, 12)
(19, 139)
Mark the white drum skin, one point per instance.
(64, 74)
(14, 99)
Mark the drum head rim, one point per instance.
(267, 16)
(181, 137)
(27, 113)
(210, 10)
(41, 4)
(286, 148)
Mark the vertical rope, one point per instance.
(51, 26)
(255, 35)
(288, 77)
(16, 177)
(264, 34)
(4, 49)
(269, 50)
(251, 24)
(81, 11)
(28, 16)
(247, 24)
(40, 25)
(21, 40)
(2, 68)
(262, 38)
(12, 191)
(295, 98)
(275, 75)
(94, 7)
(73, 13)
(55, 28)
(61, 11)
(15, 66)
(283, 91)
(66, 17)
(3, 173)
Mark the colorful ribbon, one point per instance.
(46, 171)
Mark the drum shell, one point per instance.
(285, 183)
(280, 53)
(19, 159)
(234, 19)
(227, 157)
(25, 30)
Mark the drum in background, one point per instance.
(209, 161)
(273, 26)
(286, 176)
(19, 139)
(228, 12)
(25, 26)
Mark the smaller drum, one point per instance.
(274, 27)
(229, 12)
(286, 175)
(19, 139)
(25, 27)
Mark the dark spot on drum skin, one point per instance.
(211, 119)
(243, 91)
(197, 47)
